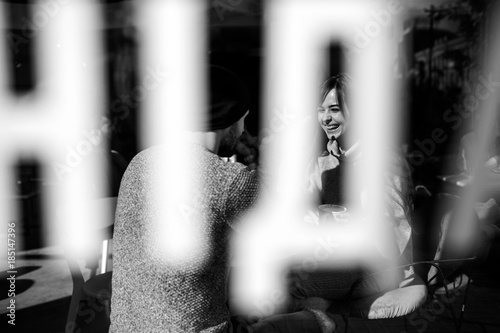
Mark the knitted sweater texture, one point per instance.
(153, 291)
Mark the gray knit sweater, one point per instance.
(148, 295)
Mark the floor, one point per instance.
(43, 290)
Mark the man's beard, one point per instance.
(228, 144)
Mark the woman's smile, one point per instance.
(332, 127)
(331, 117)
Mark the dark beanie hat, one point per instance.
(228, 99)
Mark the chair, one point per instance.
(118, 166)
(97, 286)
(457, 253)
(432, 267)
(391, 304)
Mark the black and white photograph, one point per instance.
(249, 166)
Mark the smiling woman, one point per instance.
(334, 117)
(329, 185)
(333, 114)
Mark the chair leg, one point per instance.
(447, 293)
(73, 310)
(76, 296)
(462, 310)
(450, 306)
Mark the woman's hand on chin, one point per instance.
(333, 146)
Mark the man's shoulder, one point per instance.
(201, 161)
(144, 160)
(147, 155)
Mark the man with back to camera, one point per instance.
(150, 295)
